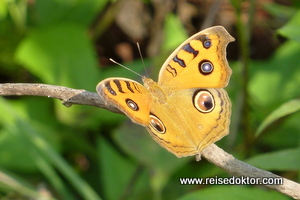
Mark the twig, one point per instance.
(213, 153)
(68, 96)
(235, 167)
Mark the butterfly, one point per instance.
(187, 109)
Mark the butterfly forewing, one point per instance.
(128, 96)
(199, 62)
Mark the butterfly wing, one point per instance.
(200, 61)
(128, 96)
(187, 110)
(190, 120)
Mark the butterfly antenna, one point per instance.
(125, 67)
(140, 52)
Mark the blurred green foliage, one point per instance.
(48, 151)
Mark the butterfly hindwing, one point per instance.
(192, 120)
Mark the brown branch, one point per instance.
(235, 167)
(213, 153)
(68, 96)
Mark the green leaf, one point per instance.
(281, 12)
(3, 10)
(292, 29)
(60, 54)
(12, 142)
(9, 182)
(281, 135)
(34, 150)
(70, 11)
(174, 33)
(137, 142)
(116, 170)
(280, 161)
(275, 81)
(285, 109)
(233, 193)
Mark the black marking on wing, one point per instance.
(221, 96)
(218, 50)
(161, 140)
(179, 61)
(129, 87)
(206, 42)
(117, 82)
(171, 70)
(184, 150)
(188, 48)
(110, 90)
(132, 104)
(136, 86)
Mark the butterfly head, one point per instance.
(148, 82)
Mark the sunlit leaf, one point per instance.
(283, 160)
(116, 170)
(174, 34)
(282, 12)
(284, 110)
(61, 55)
(137, 142)
(291, 29)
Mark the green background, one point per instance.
(48, 151)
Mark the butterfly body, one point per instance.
(187, 109)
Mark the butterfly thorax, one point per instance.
(155, 90)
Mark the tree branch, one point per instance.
(213, 153)
(235, 167)
(68, 96)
